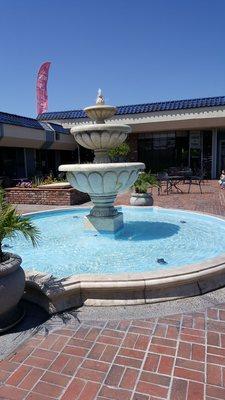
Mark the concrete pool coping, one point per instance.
(57, 295)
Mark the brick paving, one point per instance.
(211, 201)
(178, 357)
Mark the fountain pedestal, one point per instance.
(104, 217)
(105, 225)
(102, 180)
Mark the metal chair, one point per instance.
(196, 180)
(163, 181)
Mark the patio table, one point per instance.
(173, 181)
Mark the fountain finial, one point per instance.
(100, 98)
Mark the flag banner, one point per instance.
(42, 93)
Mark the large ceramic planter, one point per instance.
(12, 283)
(141, 199)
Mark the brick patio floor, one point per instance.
(178, 357)
(211, 201)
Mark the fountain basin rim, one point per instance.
(99, 167)
(100, 106)
(101, 127)
(127, 289)
(109, 110)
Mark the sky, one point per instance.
(136, 51)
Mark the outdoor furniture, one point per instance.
(169, 182)
(173, 182)
(163, 181)
(196, 180)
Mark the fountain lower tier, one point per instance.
(103, 182)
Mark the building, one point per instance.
(168, 134)
(164, 134)
(29, 147)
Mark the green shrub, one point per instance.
(119, 152)
(144, 181)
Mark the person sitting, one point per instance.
(222, 179)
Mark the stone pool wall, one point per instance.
(46, 196)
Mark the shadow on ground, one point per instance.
(36, 320)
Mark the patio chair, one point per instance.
(163, 181)
(196, 180)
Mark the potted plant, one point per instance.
(119, 153)
(12, 277)
(140, 196)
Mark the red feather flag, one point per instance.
(42, 93)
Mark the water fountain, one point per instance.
(102, 180)
(156, 257)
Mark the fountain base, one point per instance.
(110, 224)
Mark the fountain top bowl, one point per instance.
(100, 112)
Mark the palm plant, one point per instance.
(12, 223)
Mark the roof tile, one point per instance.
(142, 108)
(12, 119)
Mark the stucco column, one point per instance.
(214, 154)
(1, 131)
(25, 162)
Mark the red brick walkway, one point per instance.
(179, 357)
(212, 200)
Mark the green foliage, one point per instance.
(51, 179)
(120, 151)
(144, 181)
(37, 181)
(11, 223)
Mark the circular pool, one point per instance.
(152, 239)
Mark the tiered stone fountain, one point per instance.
(102, 180)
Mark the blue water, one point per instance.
(149, 234)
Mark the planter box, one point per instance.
(46, 196)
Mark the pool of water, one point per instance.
(152, 239)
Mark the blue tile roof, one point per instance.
(59, 128)
(12, 119)
(142, 108)
(18, 120)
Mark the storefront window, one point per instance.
(160, 151)
(12, 162)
